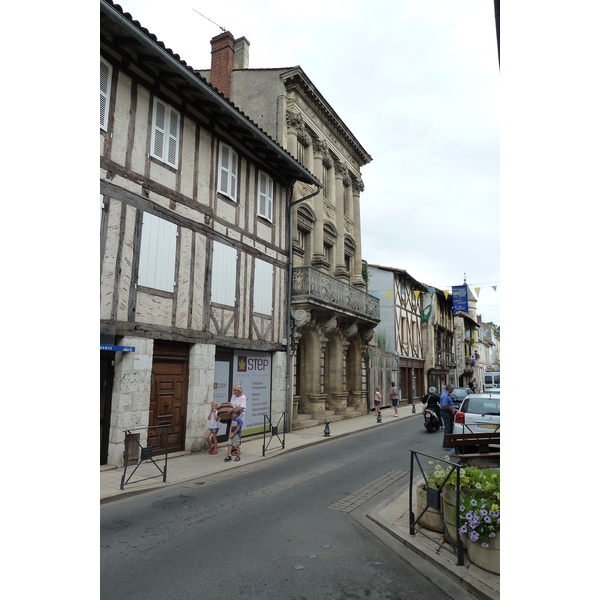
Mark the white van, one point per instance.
(491, 380)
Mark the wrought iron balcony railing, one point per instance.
(309, 282)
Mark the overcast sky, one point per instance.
(417, 83)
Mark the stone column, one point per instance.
(357, 278)
(320, 153)
(341, 177)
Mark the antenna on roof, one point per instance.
(221, 28)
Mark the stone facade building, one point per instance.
(195, 253)
(332, 316)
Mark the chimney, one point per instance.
(222, 62)
(240, 56)
(479, 319)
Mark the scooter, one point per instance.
(432, 423)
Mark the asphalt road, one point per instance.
(291, 527)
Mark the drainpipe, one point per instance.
(290, 396)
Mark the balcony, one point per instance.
(316, 290)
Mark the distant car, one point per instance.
(494, 392)
(478, 413)
(458, 395)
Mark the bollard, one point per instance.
(326, 432)
(414, 410)
(379, 417)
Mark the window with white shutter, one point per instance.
(164, 144)
(105, 80)
(157, 253)
(224, 263)
(263, 287)
(228, 169)
(265, 196)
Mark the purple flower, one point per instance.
(484, 545)
(473, 502)
(495, 513)
(492, 534)
(463, 529)
(469, 516)
(483, 512)
(487, 519)
(473, 536)
(462, 508)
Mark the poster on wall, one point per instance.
(252, 370)
(221, 388)
(460, 300)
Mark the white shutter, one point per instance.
(270, 199)
(158, 129)
(265, 196)
(173, 138)
(224, 265)
(105, 80)
(157, 253)
(263, 287)
(228, 169)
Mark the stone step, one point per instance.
(303, 424)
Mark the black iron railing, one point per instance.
(145, 454)
(273, 427)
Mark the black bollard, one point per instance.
(379, 417)
(414, 410)
(326, 433)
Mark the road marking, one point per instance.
(366, 492)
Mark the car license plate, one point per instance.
(487, 425)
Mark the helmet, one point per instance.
(432, 390)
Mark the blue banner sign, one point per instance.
(112, 348)
(460, 300)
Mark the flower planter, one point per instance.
(449, 510)
(431, 519)
(485, 558)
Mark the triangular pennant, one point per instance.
(477, 291)
(446, 292)
(417, 292)
(388, 294)
(494, 287)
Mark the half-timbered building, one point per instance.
(332, 316)
(437, 330)
(195, 251)
(399, 331)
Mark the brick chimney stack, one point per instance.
(222, 62)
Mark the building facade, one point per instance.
(438, 339)
(195, 252)
(400, 331)
(332, 316)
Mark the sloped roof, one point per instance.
(146, 48)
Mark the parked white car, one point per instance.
(478, 413)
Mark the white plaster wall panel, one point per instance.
(199, 282)
(278, 383)
(109, 260)
(188, 153)
(225, 210)
(126, 264)
(183, 284)
(140, 133)
(121, 119)
(204, 167)
(131, 394)
(242, 195)
(153, 309)
(163, 175)
(101, 145)
(222, 229)
(264, 232)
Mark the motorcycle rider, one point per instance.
(433, 403)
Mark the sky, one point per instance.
(418, 84)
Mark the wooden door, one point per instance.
(168, 401)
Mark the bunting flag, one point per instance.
(389, 293)
(477, 291)
(417, 292)
(446, 292)
(494, 287)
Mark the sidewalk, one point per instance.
(392, 515)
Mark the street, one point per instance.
(284, 528)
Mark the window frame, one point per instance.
(166, 131)
(105, 94)
(262, 298)
(267, 213)
(229, 187)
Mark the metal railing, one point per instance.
(146, 454)
(273, 429)
(434, 501)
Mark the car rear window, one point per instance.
(481, 406)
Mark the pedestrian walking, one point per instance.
(394, 398)
(213, 428)
(235, 435)
(377, 401)
(447, 410)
